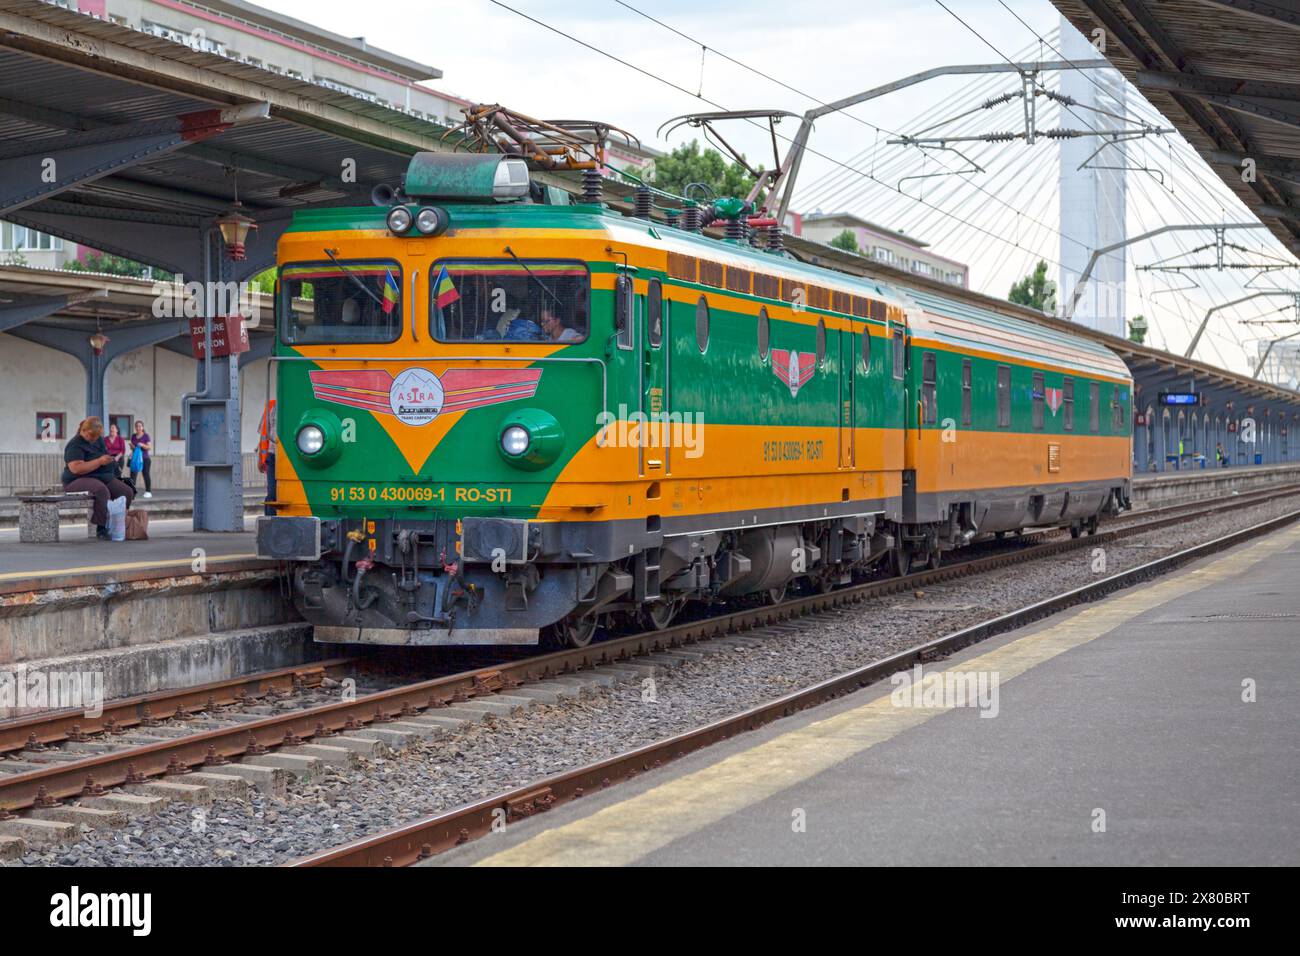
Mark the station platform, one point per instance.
(1121, 737)
(78, 560)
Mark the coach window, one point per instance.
(1039, 398)
(764, 334)
(821, 343)
(965, 392)
(1004, 396)
(1117, 413)
(655, 305)
(702, 323)
(1067, 404)
(929, 414)
(900, 354)
(509, 300)
(340, 301)
(1094, 407)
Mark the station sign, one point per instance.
(1181, 398)
(229, 337)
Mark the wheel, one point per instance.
(1092, 526)
(656, 615)
(574, 632)
(1076, 529)
(900, 562)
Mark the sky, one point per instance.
(827, 50)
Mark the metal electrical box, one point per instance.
(208, 440)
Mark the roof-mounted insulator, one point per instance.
(691, 217)
(642, 202)
(766, 230)
(593, 186)
(775, 242)
(735, 229)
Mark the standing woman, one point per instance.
(142, 441)
(116, 446)
(89, 467)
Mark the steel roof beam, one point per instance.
(31, 170)
(1230, 94)
(16, 310)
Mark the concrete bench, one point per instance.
(38, 515)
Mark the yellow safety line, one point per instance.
(625, 832)
(126, 566)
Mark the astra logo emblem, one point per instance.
(1053, 399)
(416, 396)
(793, 368)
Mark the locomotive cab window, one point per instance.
(654, 303)
(340, 301)
(929, 414)
(509, 300)
(764, 334)
(1004, 396)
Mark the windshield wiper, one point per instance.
(545, 288)
(357, 282)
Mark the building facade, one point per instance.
(885, 246)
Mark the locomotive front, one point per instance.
(436, 367)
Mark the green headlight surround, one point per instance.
(330, 427)
(546, 438)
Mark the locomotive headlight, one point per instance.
(400, 220)
(431, 221)
(514, 440)
(310, 440)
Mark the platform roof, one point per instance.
(1226, 73)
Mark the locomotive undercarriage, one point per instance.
(511, 581)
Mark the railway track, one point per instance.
(423, 839)
(211, 747)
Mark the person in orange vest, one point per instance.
(266, 451)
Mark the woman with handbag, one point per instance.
(141, 444)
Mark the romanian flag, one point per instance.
(444, 290)
(390, 292)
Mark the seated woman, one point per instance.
(89, 467)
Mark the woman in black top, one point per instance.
(89, 467)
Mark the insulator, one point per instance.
(735, 229)
(593, 185)
(775, 242)
(691, 218)
(642, 202)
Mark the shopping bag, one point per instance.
(137, 525)
(117, 519)
(137, 459)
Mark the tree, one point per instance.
(687, 164)
(116, 265)
(847, 241)
(1035, 290)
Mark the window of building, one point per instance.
(965, 392)
(178, 428)
(1067, 403)
(16, 238)
(1040, 398)
(900, 353)
(1094, 407)
(50, 426)
(929, 413)
(123, 423)
(1004, 396)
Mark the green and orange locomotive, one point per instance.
(502, 421)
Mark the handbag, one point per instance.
(137, 525)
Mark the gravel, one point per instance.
(481, 759)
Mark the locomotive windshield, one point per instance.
(534, 300)
(340, 301)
